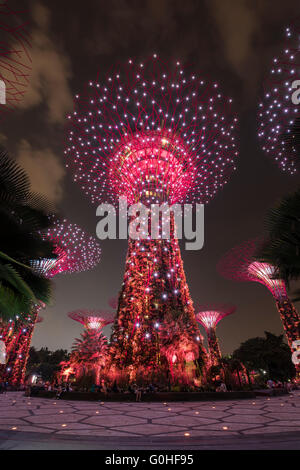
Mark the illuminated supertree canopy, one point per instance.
(209, 316)
(240, 264)
(152, 133)
(76, 250)
(92, 319)
(15, 61)
(279, 113)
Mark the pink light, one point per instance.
(76, 250)
(278, 115)
(265, 273)
(92, 319)
(239, 264)
(16, 63)
(209, 316)
(154, 133)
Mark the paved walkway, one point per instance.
(188, 424)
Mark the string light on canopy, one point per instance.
(76, 252)
(279, 113)
(209, 316)
(152, 133)
(239, 264)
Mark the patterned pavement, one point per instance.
(262, 416)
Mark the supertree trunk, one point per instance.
(10, 334)
(290, 319)
(18, 350)
(214, 348)
(153, 290)
(291, 324)
(20, 378)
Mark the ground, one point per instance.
(36, 423)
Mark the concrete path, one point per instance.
(36, 423)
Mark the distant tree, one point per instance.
(270, 354)
(44, 362)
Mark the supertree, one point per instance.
(92, 319)
(76, 251)
(153, 134)
(279, 110)
(240, 264)
(209, 316)
(89, 352)
(15, 60)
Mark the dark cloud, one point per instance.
(232, 41)
(51, 71)
(45, 169)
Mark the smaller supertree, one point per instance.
(209, 316)
(92, 319)
(240, 264)
(89, 353)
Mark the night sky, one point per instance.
(232, 41)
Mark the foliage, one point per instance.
(44, 362)
(88, 356)
(23, 215)
(269, 354)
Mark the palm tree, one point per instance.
(89, 354)
(282, 247)
(23, 215)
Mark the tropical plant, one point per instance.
(282, 247)
(89, 354)
(23, 215)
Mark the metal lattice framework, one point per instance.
(92, 319)
(240, 264)
(77, 251)
(279, 116)
(15, 60)
(209, 315)
(152, 132)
